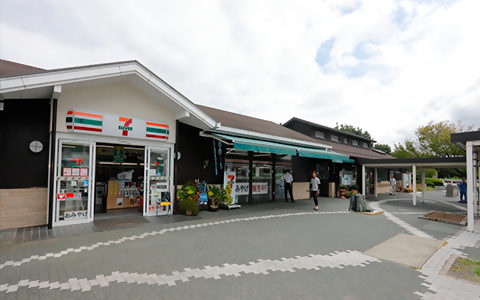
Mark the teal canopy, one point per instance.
(249, 144)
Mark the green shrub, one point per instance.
(189, 204)
(433, 182)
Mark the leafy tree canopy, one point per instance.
(352, 129)
(383, 147)
(432, 140)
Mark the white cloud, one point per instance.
(418, 64)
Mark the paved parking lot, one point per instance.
(265, 251)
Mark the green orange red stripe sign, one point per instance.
(81, 121)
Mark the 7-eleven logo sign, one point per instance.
(125, 125)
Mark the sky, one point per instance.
(385, 66)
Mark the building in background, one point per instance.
(356, 147)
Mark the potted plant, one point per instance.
(227, 199)
(343, 189)
(354, 188)
(187, 195)
(215, 197)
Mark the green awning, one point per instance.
(248, 144)
(324, 154)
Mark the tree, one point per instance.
(383, 147)
(432, 140)
(355, 130)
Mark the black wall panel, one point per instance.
(197, 159)
(21, 122)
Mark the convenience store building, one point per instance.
(81, 141)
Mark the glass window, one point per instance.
(345, 140)
(73, 182)
(320, 134)
(365, 145)
(355, 142)
(334, 138)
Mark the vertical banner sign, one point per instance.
(231, 177)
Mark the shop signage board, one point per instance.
(71, 215)
(122, 126)
(258, 188)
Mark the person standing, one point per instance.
(393, 183)
(287, 179)
(314, 188)
(463, 191)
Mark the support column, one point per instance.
(470, 182)
(250, 177)
(363, 180)
(474, 171)
(414, 184)
(272, 197)
(52, 163)
(375, 178)
(477, 211)
(423, 184)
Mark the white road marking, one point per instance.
(409, 228)
(260, 266)
(154, 233)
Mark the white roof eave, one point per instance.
(72, 75)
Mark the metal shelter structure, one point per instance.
(470, 162)
(470, 141)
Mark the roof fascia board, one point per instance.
(65, 76)
(319, 126)
(274, 138)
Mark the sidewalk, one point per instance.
(106, 223)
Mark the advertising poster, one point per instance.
(258, 188)
(75, 171)
(84, 172)
(231, 177)
(67, 172)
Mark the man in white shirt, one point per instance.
(393, 183)
(287, 179)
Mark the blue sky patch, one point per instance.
(323, 53)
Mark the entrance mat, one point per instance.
(119, 222)
(448, 218)
(406, 249)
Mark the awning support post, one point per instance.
(273, 186)
(477, 210)
(474, 171)
(423, 184)
(414, 184)
(470, 182)
(363, 180)
(250, 177)
(376, 181)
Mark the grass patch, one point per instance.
(466, 268)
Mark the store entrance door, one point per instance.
(119, 180)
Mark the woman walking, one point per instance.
(314, 188)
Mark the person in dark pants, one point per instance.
(314, 188)
(287, 179)
(463, 191)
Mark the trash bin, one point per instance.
(361, 204)
(451, 190)
(353, 203)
